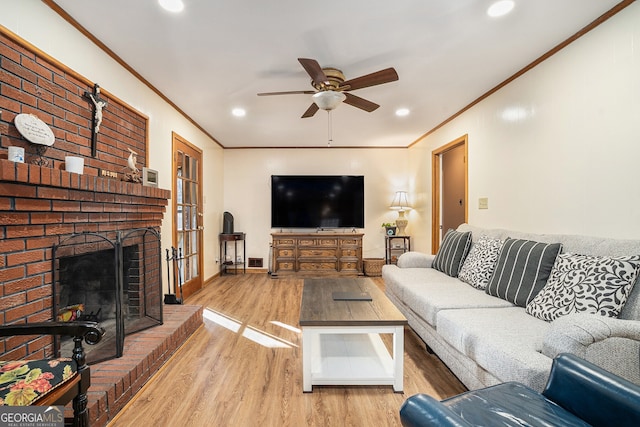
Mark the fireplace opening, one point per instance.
(116, 282)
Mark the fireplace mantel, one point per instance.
(42, 178)
(39, 207)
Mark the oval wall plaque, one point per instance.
(34, 130)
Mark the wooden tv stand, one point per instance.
(318, 253)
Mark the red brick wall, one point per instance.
(32, 83)
(40, 206)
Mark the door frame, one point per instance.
(436, 172)
(176, 141)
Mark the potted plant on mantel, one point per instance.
(389, 228)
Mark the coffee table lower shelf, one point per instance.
(352, 356)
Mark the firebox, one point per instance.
(114, 280)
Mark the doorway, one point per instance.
(187, 208)
(450, 188)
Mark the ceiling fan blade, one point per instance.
(314, 70)
(379, 77)
(291, 92)
(363, 104)
(313, 108)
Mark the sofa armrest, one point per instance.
(415, 260)
(421, 410)
(593, 394)
(613, 344)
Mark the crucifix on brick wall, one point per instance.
(98, 105)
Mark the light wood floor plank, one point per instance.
(247, 369)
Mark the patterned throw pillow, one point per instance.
(586, 284)
(522, 270)
(481, 261)
(452, 252)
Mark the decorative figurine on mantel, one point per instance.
(98, 105)
(134, 173)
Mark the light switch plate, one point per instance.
(483, 203)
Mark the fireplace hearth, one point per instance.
(114, 280)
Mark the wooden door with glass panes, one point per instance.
(187, 208)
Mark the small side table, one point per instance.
(234, 263)
(394, 249)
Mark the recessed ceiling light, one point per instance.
(239, 112)
(401, 112)
(500, 8)
(172, 5)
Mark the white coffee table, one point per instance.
(341, 343)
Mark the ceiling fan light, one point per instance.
(328, 100)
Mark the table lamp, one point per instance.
(401, 203)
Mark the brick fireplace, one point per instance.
(41, 204)
(44, 206)
(39, 208)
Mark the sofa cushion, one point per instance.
(397, 279)
(479, 265)
(452, 252)
(586, 284)
(522, 270)
(504, 341)
(427, 291)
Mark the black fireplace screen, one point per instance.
(115, 282)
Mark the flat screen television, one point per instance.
(317, 201)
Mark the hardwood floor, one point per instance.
(243, 368)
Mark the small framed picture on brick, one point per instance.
(149, 177)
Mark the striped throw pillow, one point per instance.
(453, 250)
(522, 270)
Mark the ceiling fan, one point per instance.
(331, 88)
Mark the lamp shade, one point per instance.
(328, 100)
(400, 201)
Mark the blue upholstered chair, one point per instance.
(578, 393)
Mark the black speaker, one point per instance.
(227, 223)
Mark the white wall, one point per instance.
(557, 150)
(39, 25)
(247, 194)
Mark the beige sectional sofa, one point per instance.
(486, 340)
